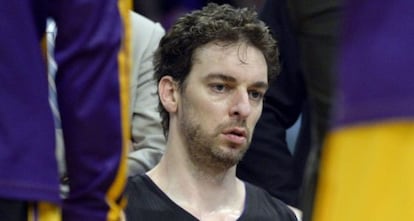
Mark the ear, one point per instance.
(168, 92)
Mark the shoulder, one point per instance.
(147, 202)
(135, 184)
(143, 23)
(141, 188)
(261, 204)
(146, 35)
(139, 195)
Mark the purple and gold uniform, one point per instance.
(367, 161)
(92, 84)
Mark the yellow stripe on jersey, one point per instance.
(43, 211)
(43, 47)
(367, 173)
(124, 64)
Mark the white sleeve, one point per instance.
(148, 141)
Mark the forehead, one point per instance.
(240, 60)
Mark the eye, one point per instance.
(218, 87)
(256, 95)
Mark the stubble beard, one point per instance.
(204, 149)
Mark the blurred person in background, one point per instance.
(92, 52)
(366, 165)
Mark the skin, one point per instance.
(212, 118)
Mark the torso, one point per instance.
(148, 202)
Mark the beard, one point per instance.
(205, 150)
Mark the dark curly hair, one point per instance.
(218, 23)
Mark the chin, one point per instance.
(230, 155)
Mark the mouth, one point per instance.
(236, 135)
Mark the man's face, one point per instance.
(220, 103)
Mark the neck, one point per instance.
(197, 189)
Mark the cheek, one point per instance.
(205, 113)
(212, 110)
(211, 116)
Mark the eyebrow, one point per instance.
(220, 76)
(231, 79)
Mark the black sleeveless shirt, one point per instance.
(147, 202)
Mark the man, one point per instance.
(92, 83)
(213, 68)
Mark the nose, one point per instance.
(241, 107)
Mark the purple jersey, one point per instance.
(92, 102)
(366, 160)
(376, 63)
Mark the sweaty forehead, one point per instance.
(233, 53)
(238, 60)
(218, 47)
